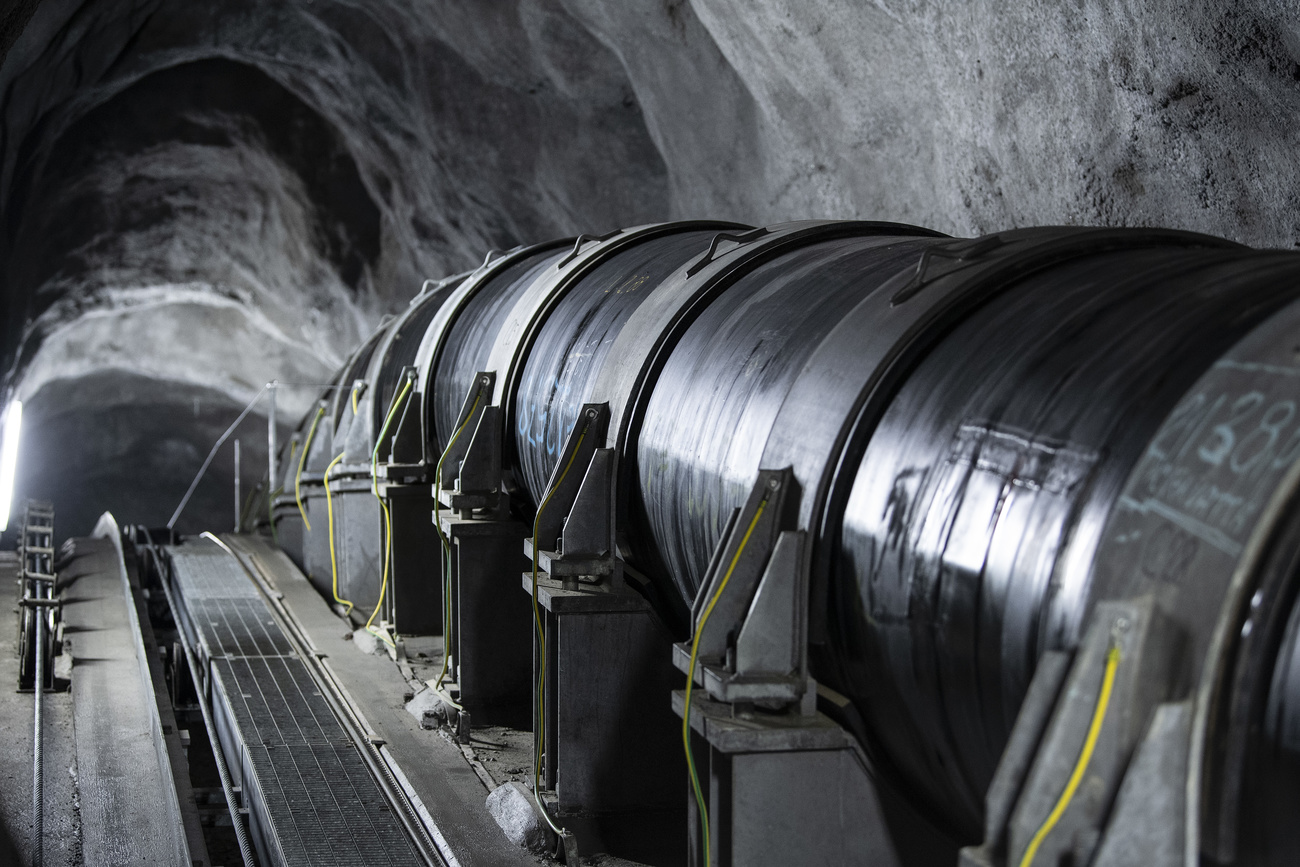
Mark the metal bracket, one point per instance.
(438, 284)
(478, 484)
(741, 238)
(960, 253)
(583, 239)
(589, 528)
(751, 614)
(587, 436)
(359, 388)
(405, 446)
(772, 641)
(569, 845)
(471, 411)
(1051, 727)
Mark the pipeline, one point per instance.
(990, 436)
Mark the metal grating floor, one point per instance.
(203, 570)
(237, 628)
(313, 799)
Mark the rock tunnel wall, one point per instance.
(198, 198)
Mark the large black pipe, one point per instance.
(967, 421)
(472, 333)
(574, 342)
(714, 406)
(976, 512)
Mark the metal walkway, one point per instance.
(312, 799)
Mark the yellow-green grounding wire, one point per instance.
(541, 638)
(690, 676)
(1085, 755)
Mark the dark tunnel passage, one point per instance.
(187, 182)
(192, 114)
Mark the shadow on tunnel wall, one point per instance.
(8, 852)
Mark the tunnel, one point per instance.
(650, 433)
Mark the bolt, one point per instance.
(1119, 628)
(591, 413)
(773, 484)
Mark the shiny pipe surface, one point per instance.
(471, 337)
(340, 417)
(968, 538)
(397, 348)
(712, 407)
(575, 339)
(403, 345)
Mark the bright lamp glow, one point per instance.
(13, 425)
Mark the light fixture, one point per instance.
(12, 428)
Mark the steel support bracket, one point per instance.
(751, 614)
(575, 526)
(405, 448)
(586, 437)
(478, 482)
(1134, 779)
(586, 544)
(476, 402)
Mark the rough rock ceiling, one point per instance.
(199, 197)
